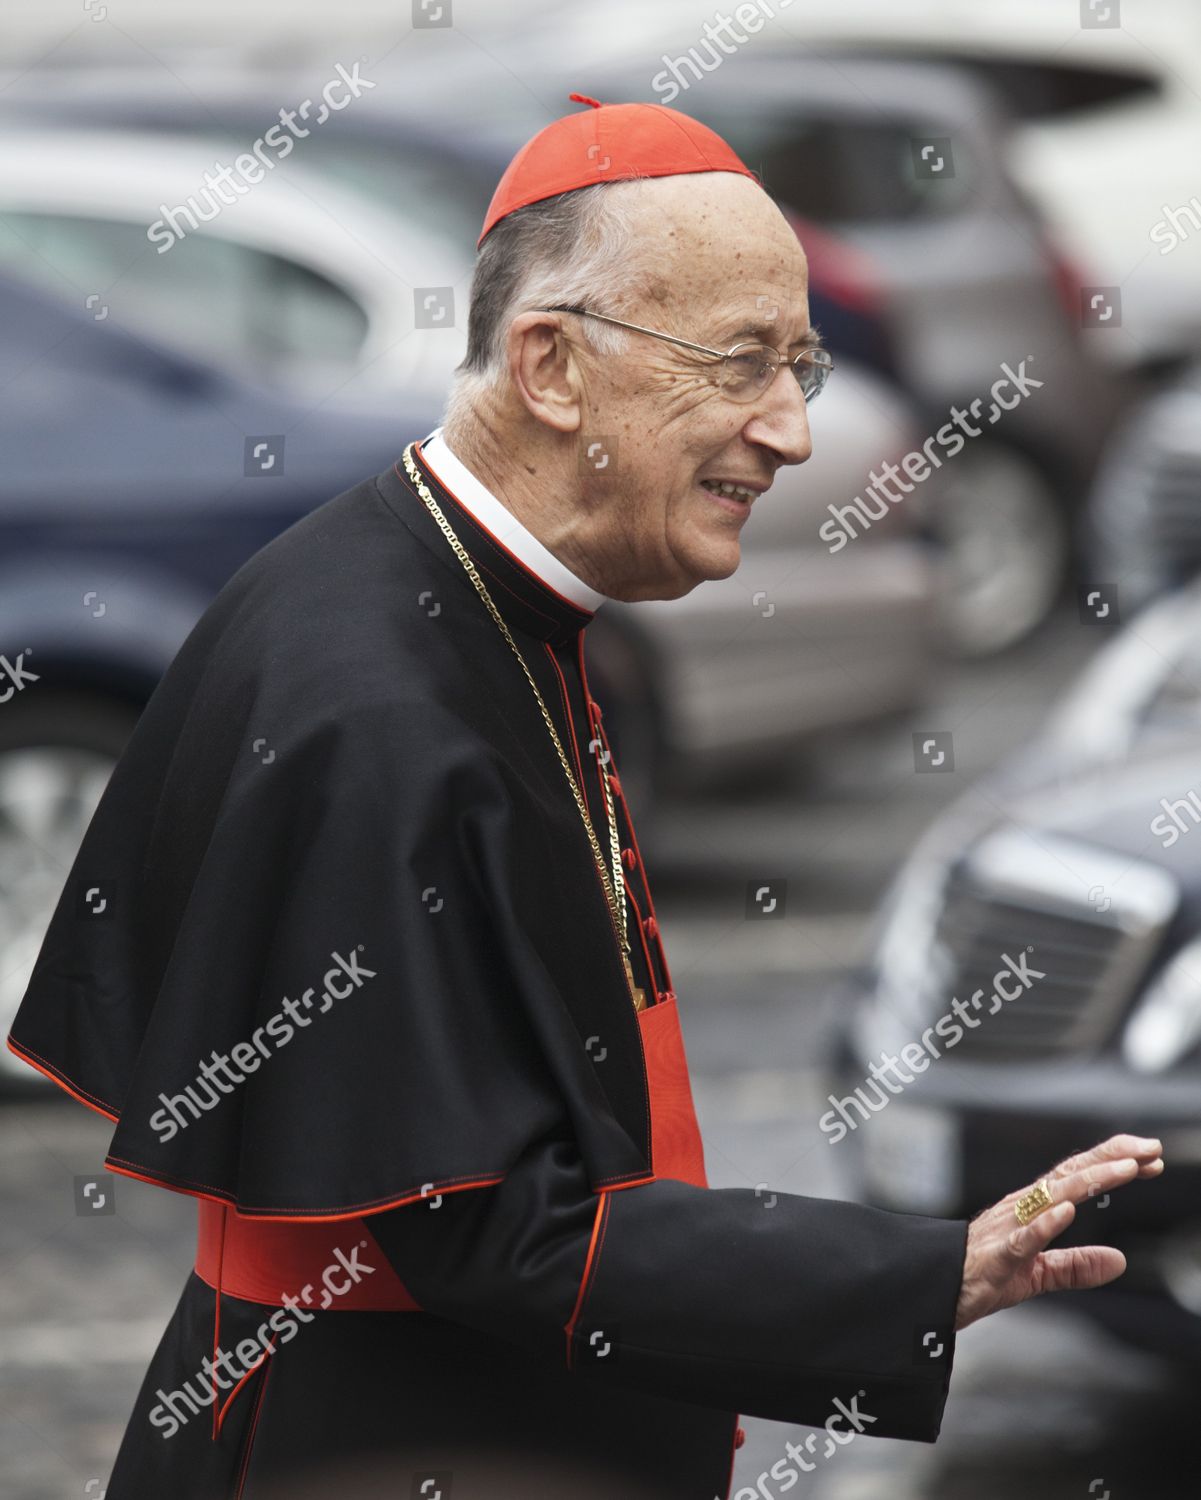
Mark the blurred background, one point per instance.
(946, 714)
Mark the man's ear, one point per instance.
(544, 369)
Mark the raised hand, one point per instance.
(1007, 1263)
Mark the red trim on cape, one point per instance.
(51, 1072)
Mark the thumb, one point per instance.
(1077, 1268)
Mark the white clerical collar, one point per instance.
(455, 476)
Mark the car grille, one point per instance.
(1173, 487)
(1092, 922)
(1144, 507)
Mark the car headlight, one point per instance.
(1167, 1023)
(906, 947)
(907, 972)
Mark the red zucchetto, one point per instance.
(608, 143)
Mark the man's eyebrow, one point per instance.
(810, 339)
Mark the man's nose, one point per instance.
(780, 419)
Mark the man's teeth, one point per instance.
(728, 489)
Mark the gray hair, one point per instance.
(578, 247)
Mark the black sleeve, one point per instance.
(778, 1306)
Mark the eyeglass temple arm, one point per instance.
(637, 327)
(584, 312)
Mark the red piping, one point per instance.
(258, 1364)
(52, 1073)
(254, 1424)
(602, 1209)
(218, 1414)
(285, 1218)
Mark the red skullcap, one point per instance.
(608, 143)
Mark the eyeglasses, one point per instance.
(747, 370)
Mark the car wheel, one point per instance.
(57, 752)
(1004, 539)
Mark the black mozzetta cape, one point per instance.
(344, 768)
(335, 943)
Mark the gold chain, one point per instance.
(615, 898)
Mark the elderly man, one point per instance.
(359, 949)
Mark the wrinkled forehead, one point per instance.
(721, 249)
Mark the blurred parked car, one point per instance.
(1106, 137)
(1145, 512)
(296, 283)
(1074, 876)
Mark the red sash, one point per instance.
(264, 1260)
(675, 1138)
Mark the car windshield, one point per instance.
(841, 171)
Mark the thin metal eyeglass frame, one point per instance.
(827, 365)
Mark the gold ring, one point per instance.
(1033, 1203)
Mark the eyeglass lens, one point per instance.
(747, 372)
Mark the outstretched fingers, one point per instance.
(1102, 1177)
(1086, 1265)
(1141, 1149)
(1107, 1165)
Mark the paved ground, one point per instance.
(1041, 1404)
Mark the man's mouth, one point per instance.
(729, 491)
(733, 494)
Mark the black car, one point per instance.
(1036, 983)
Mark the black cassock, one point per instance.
(336, 958)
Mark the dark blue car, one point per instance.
(134, 482)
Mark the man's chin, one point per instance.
(720, 561)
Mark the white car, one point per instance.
(295, 281)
